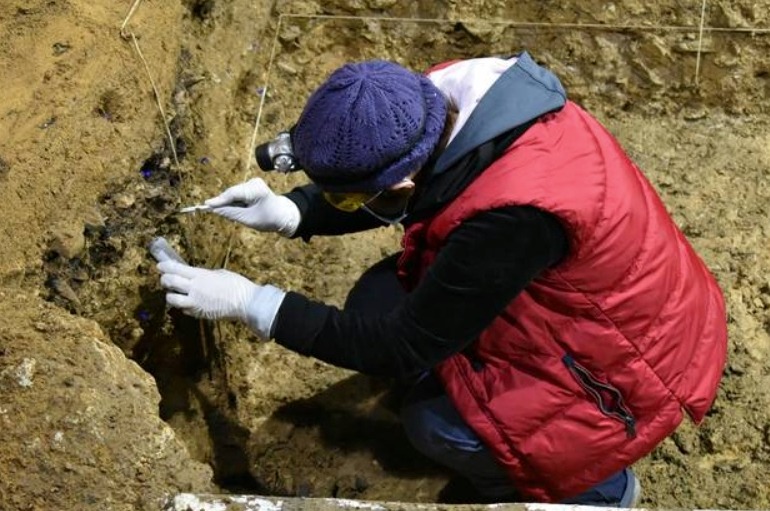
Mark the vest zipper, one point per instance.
(602, 393)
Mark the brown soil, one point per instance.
(88, 176)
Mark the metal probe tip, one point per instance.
(197, 207)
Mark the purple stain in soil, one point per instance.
(260, 91)
(144, 316)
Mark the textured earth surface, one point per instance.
(109, 401)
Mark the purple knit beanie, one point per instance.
(368, 126)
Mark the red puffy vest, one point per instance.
(589, 368)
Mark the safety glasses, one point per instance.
(350, 202)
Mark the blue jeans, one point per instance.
(432, 423)
(436, 429)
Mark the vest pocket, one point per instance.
(607, 397)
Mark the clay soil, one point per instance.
(110, 401)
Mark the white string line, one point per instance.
(700, 40)
(157, 98)
(253, 143)
(156, 93)
(535, 24)
(128, 17)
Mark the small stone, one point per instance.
(287, 67)
(25, 372)
(59, 48)
(290, 33)
(68, 241)
(93, 218)
(124, 201)
(695, 114)
(64, 290)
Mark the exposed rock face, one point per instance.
(79, 421)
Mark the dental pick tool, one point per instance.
(197, 207)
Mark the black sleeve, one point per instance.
(485, 263)
(321, 218)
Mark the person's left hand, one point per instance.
(220, 294)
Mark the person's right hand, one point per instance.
(255, 205)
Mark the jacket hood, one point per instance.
(519, 96)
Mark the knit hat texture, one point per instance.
(368, 126)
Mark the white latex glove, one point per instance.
(220, 294)
(255, 205)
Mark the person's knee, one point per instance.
(415, 423)
(435, 428)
